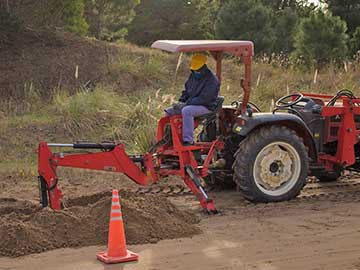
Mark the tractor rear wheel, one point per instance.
(271, 165)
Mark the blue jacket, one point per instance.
(201, 92)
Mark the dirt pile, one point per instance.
(27, 228)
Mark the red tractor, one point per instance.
(267, 155)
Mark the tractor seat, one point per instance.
(212, 115)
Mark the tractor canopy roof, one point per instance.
(238, 48)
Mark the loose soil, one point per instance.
(312, 232)
(27, 228)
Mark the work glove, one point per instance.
(179, 105)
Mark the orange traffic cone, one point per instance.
(117, 251)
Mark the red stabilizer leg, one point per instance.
(192, 181)
(48, 178)
(55, 196)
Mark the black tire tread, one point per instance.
(242, 157)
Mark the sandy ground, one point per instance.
(319, 230)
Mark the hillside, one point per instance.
(46, 61)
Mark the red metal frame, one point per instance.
(116, 160)
(246, 84)
(348, 134)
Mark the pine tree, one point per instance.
(355, 42)
(51, 14)
(109, 19)
(347, 10)
(285, 23)
(173, 19)
(247, 20)
(321, 38)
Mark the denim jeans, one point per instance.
(188, 113)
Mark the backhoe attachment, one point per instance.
(142, 169)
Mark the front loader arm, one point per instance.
(113, 158)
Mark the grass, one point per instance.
(148, 66)
(104, 115)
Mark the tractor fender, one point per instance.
(289, 120)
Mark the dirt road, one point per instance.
(312, 232)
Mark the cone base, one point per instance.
(130, 256)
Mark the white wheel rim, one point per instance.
(277, 168)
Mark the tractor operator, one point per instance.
(198, 97)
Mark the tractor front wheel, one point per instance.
(271, 165)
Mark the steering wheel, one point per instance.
(295, 98)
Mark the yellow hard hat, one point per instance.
(197, 61)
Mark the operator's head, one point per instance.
(198, 60)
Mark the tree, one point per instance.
(247, 19)
(173, 19)
(348, 10)
(73, 15)
(281, 4)
(321, 38)
(9, 24)
(286, 16)
(286, 21)
(208, 11)
(108, 19)
(303, 8)
(50, 14)
(355, 42)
